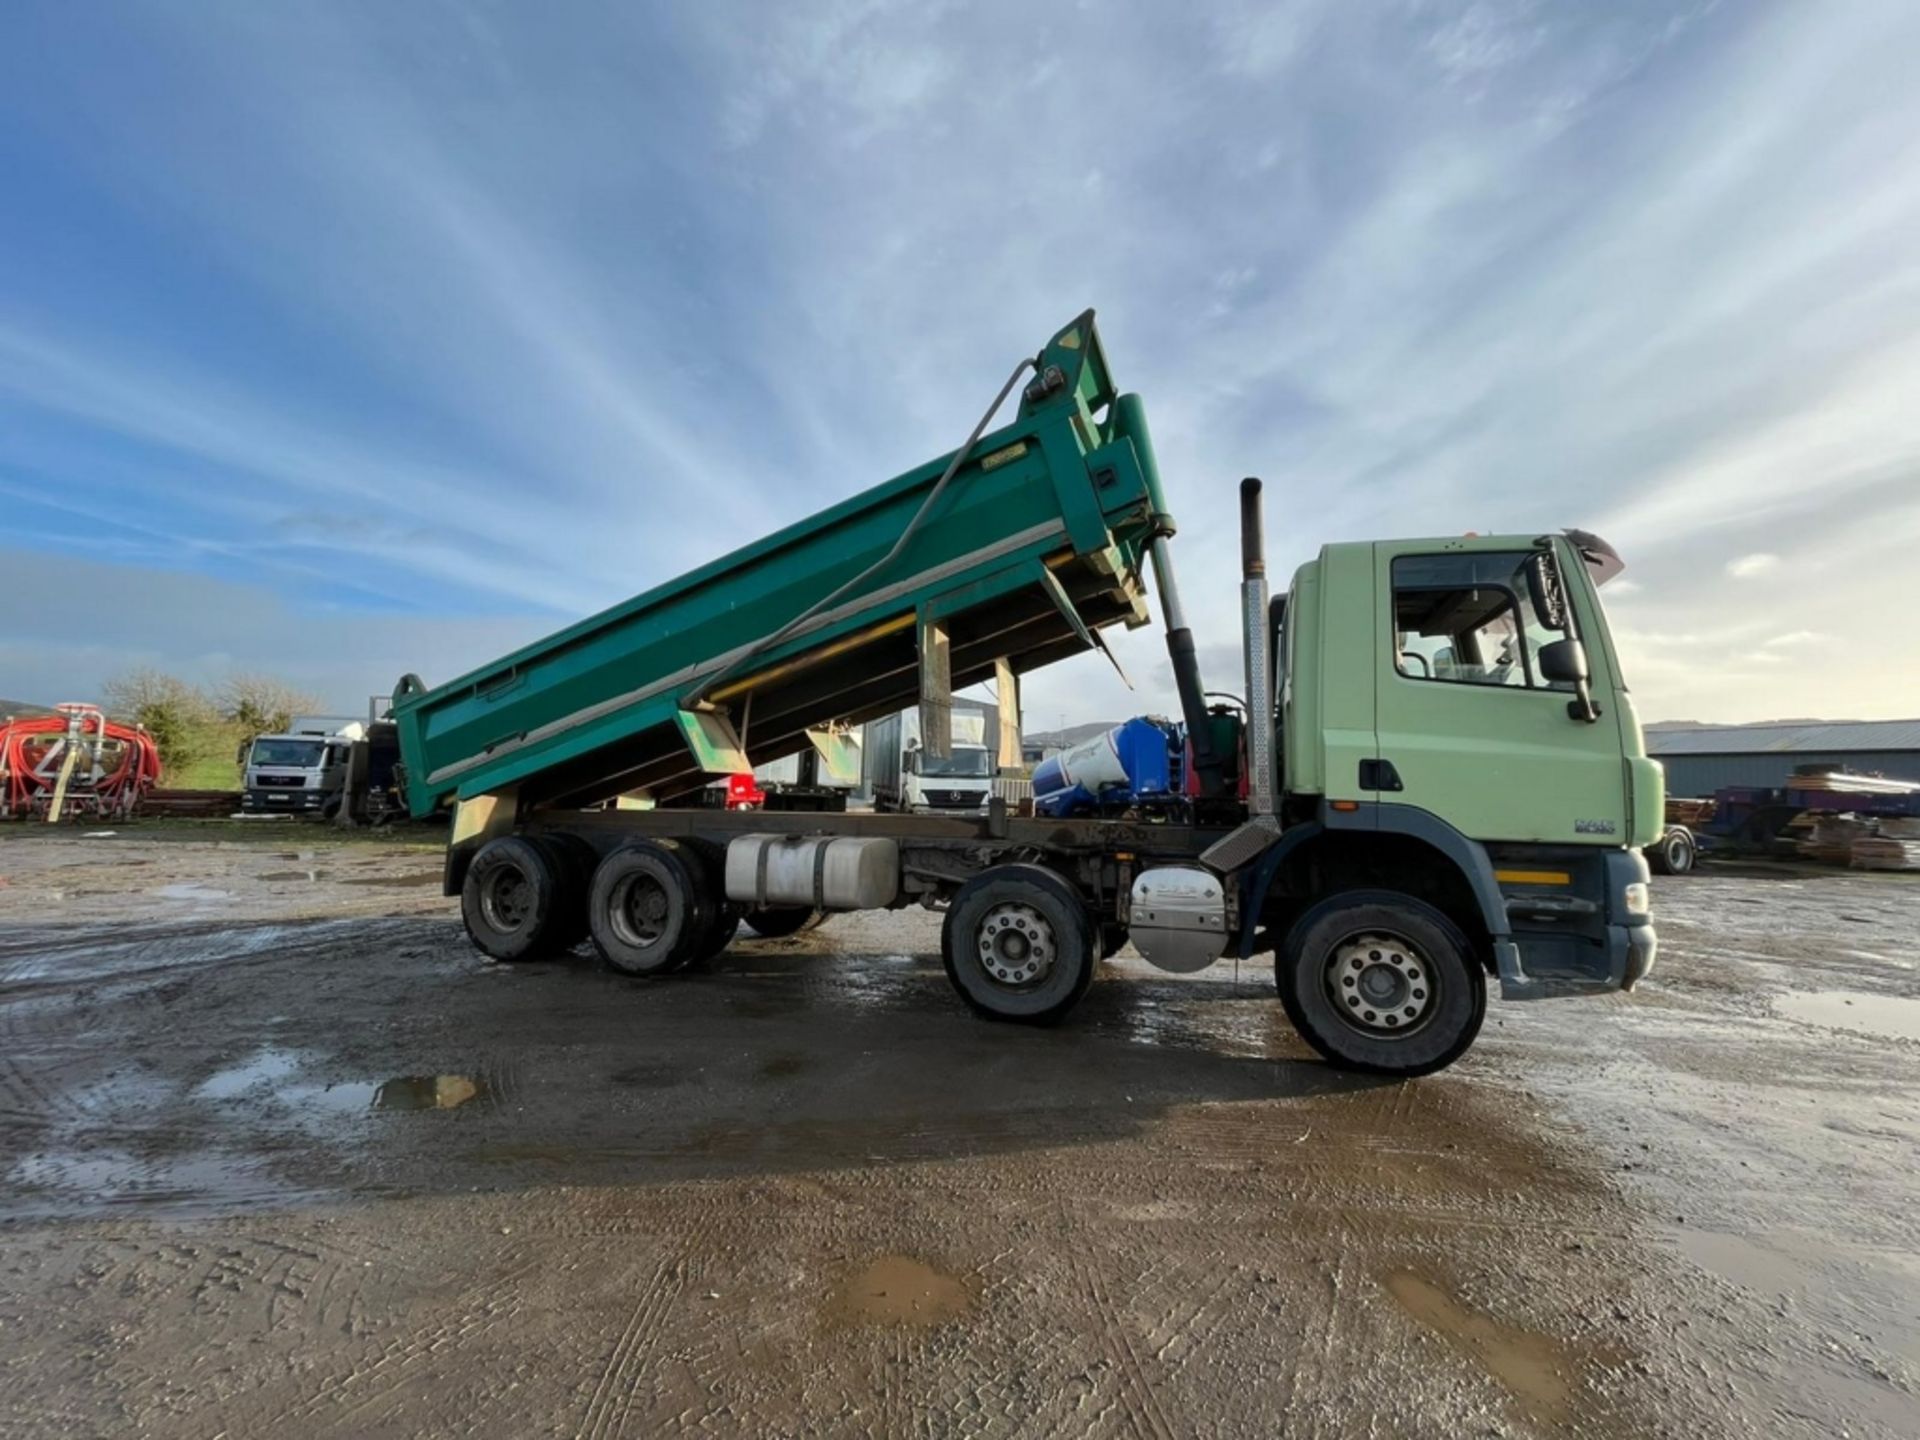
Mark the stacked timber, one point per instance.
(1832, 838)
(1839, 782)
(1691, 813)
(1895, 847)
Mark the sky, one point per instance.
(348, 339)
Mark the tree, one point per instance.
(260, 704)
(175, 713)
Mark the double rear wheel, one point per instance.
(650, 908)
(524, 898)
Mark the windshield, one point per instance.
(302, 753)
(967, 764)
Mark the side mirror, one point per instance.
(1563, 662)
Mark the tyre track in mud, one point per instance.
(645, 1215)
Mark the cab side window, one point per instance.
(1463, 618)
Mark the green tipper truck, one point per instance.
(1438, 782)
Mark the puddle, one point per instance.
(267, 1073)
(1533, 1368)
(1891, 1016)
(1744, 1262)
(280, 876)
(293, 854)
(397, 882)
(779, 1067)
(191, 892)
(263, 1068)
(895, 1290)
(425, 1092)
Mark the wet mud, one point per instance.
(283, 1154)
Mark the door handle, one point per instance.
(1379, 775)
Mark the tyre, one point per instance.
(775, 922)
(577, 861)
(1376, 980)
(1673, 853)
(651, 908)
(518, 902)
(727, 914)
(1019, 944)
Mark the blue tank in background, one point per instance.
(1132, 764)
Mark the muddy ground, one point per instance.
(280, 1153)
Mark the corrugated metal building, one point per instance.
(1700, 759)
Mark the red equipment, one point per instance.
(106, 767)
(744, 792)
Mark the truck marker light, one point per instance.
(1345, 806)
(1533, 877)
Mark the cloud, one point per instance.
(1752, 567)
(493, 324)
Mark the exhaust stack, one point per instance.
(1256, 644)
(1186, 669)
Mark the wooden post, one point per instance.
(936, 688)
(1006, 690)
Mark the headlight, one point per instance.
(1637, 899)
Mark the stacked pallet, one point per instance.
(1896, 847)
(1839, 782)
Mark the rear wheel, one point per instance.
(518, 900)
(1673, 853)
(726, 913)
(1377, 980)
(651, 908)
(1019, 944)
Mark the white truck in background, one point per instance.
(300, 771)
(903, 777)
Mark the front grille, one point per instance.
(291, 782)
(953, 799)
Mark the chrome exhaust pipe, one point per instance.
(1255, 639)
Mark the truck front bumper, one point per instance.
(1630, 952)
(1639, 946)
(281, 799)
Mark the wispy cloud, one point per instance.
(476, 313)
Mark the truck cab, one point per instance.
(907, 777)
(296, 773)
(1453, 727)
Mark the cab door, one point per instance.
(1467, 727)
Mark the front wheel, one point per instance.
(1019, 944)
(1376, 980)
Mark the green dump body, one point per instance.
(1036, 543)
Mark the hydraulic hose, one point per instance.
(694, 696)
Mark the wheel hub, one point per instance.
(1380, 984)
(507, 899)
(1016, 945)
(639, 911)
